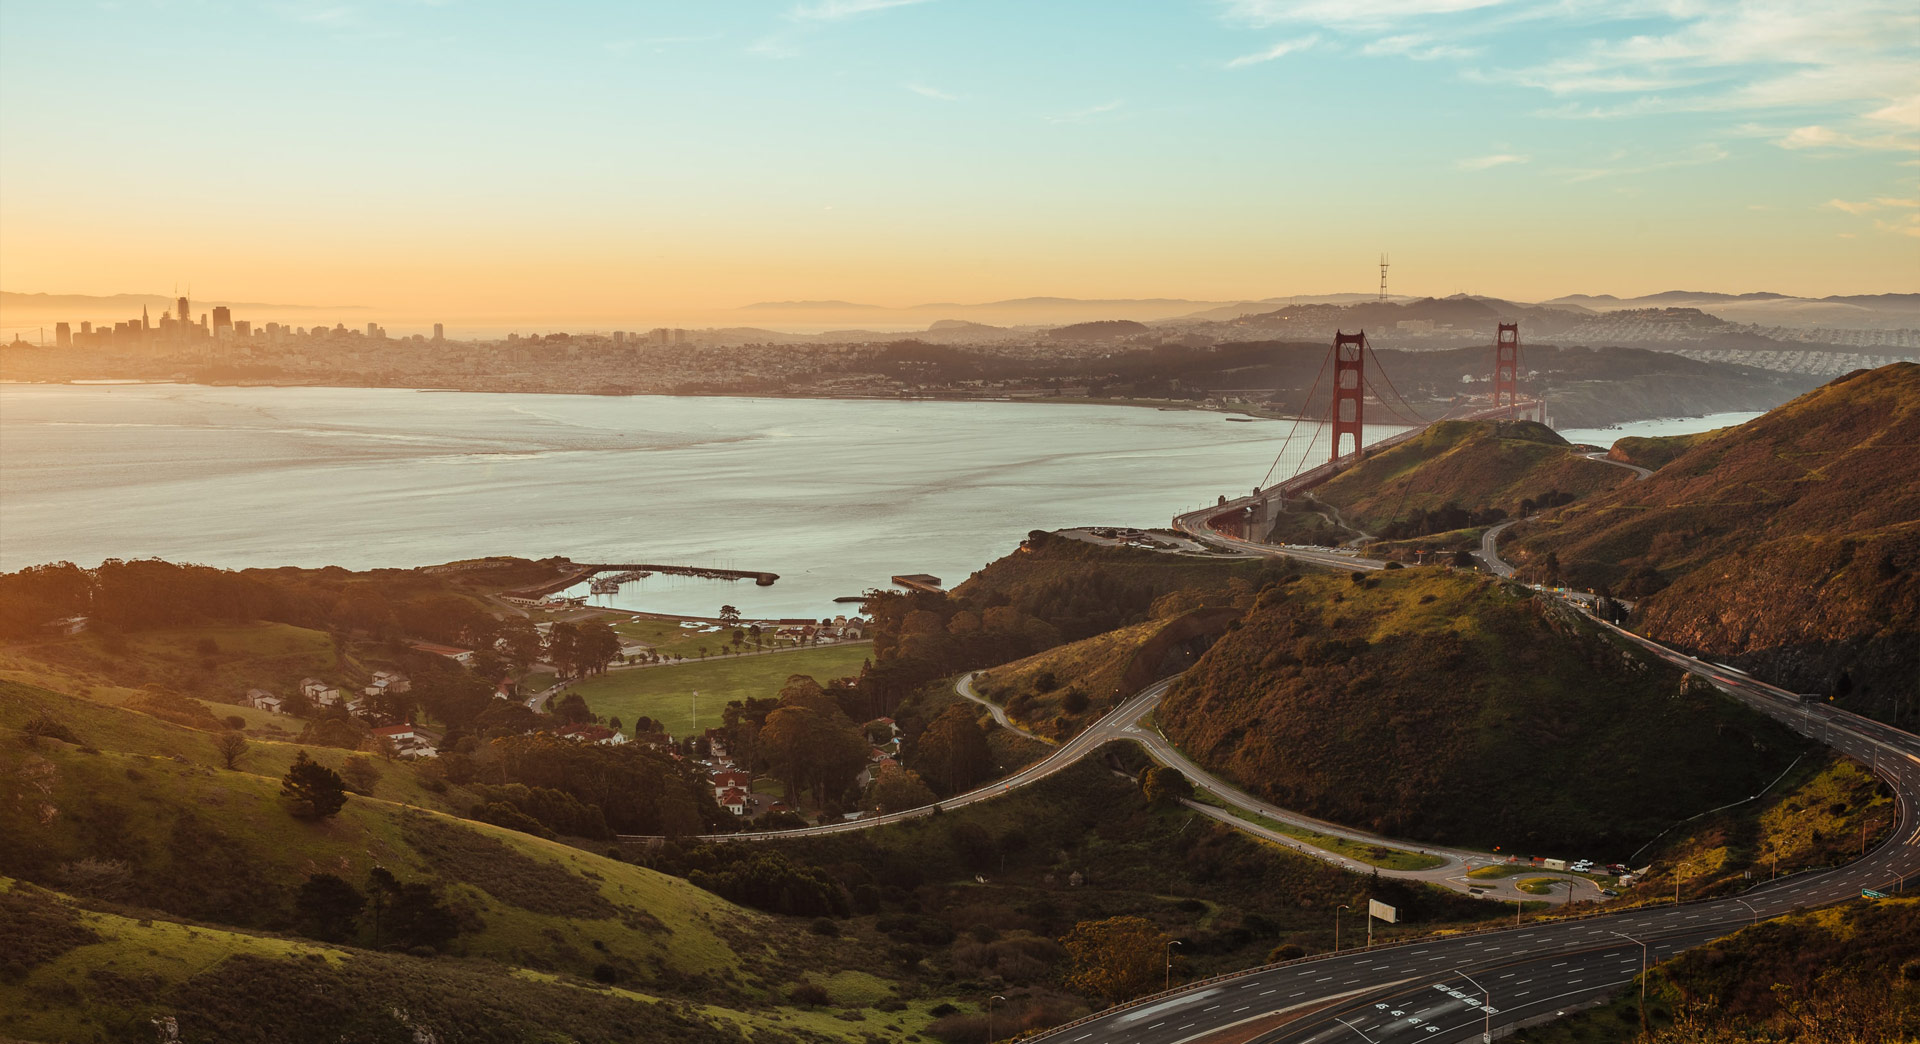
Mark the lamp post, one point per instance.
(1171, 943)
(1750, 909)
(1486, 1006)
(1643, 978)
(1336, 925)
(990, 1036)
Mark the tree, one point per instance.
(417, 917)
(896, 789)
(317, 791)
(1164, 785)
(953, 751)
(231, 746)
(598, 646)
(729, 616)
(328, 908)
(806, 747)
(1463, 559)
(1116, 959)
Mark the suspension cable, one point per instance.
(1297, 416)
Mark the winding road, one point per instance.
(1462, 987)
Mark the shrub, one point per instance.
(824, 926)
(809, 995)
(51, 729)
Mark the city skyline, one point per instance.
(464, 162)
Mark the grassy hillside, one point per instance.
(74, 973)
(1657, 451)
(1843, 975)
(1476, 465)
(137, 812)
(1458, 709)
(1790, 544)
(1060, 690)
(219, 661)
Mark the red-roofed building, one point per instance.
(395, 734)
(732, 778)
(734, 800)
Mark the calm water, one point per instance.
(835, 496)
(1653, 428)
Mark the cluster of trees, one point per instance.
(805, 738)
(1444, 519)
(409, 915)
(770, 881)
(635, 790)
(543, 811)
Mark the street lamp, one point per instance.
(990, 1037)
(1643, 978)
(1336, 925)
(1749, 906)
(1486, 1009)
(1171, 943)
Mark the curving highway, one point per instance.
(1460, 987)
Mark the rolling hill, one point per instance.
(1453, 708)
(1474, 465)
(136, 816)
(1788, 545)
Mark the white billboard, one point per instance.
(1376, 908)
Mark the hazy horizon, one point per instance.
(445, 161)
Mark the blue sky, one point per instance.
(705, 154)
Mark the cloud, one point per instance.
(1498, 159)
(1279, 50)
(1082, 115)
(930, 92)
(1848, 63)
(1819, 137)
(1861, 207)
(1707, 152)
(835, 10)
(1889, 202)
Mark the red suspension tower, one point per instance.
(1349, 390)
(1506, 364)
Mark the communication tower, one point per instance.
(1383, 277)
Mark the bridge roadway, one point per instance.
(1455, 988)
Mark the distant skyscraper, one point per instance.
(243, 328)
(86, 328)
(62, 335)
(186, 314)
(222, 317)
(439, 332)
(145, 323)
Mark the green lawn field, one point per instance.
(665, 693)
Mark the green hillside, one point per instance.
(1789, 544)
(1453, 708)
(129, 810)
(1476, 466)
(1657, 451)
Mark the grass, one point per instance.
(270, 656)
(665, 693)
(1373, 855)
(1538, 885)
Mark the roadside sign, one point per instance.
(1376, 908)
(1868, 893)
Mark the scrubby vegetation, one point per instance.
(1457, 709)
(1454, 475)
(1789, 546)
(1838, 976)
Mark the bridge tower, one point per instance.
(1506, 364)
(1349, 390)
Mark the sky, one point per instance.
(470, 159)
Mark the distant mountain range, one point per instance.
(82, 306)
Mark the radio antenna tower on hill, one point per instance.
(1383, 277)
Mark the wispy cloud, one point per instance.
(1279, 50)
(1082, 115)
(1849, 61)
(1623, 165)
(1861, 207)
(930, 92)
(834, 10)
(1498, 159)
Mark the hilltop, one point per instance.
(1787, 545)
(1453, 708)
(1489, 470)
